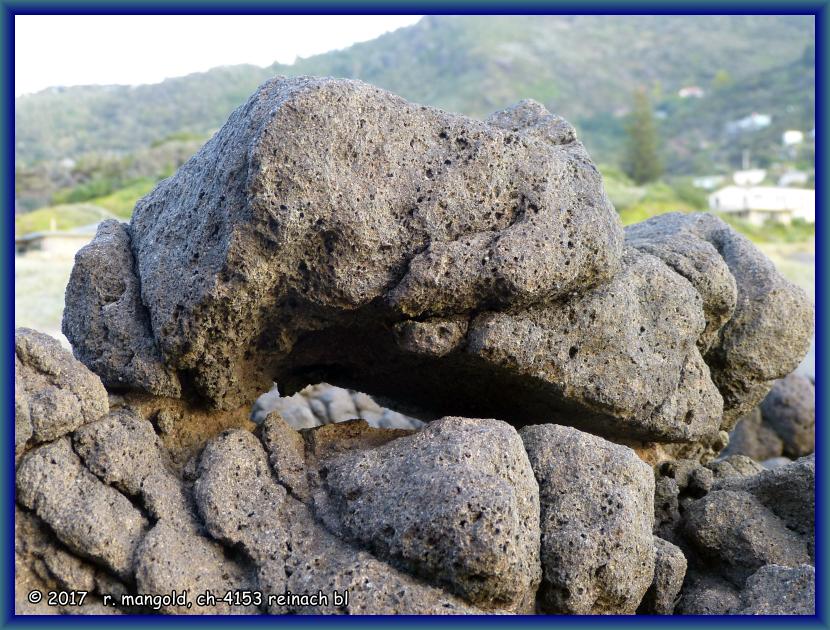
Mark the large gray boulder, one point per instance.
(53, 393)
(333, 232)
(597, 515)
(322, 202)
(777, 590)
(433, 248)
(759, 324)
(456, 502)
(790, 410)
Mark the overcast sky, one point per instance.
(55, 50)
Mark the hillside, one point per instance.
(583, 67)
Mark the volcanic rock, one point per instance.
(597, 515)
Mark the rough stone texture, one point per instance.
(367, 199)
(91, 518)
(105, 321)
(788, 492)
(707, 594)
(753, 348)
(323, 404)
(241, 504)
(171, 558)
(622, 355)
(699, 262)
(184, 429)
(456, 502)
(597, 503)
(286, 452)
(42, 563)
(319, 561)
(507, 218)
(735, 530)
(734, 466)
(754, 438)
(334, 232)
(772, 590)
(123, 451)
(790, 410)
(777, 590)
(669, 571)
(54, 394)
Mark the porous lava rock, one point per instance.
(53, 393)
(790, 410)
(597, 514)
(331, 231)
(747, 344)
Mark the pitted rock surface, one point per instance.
(790, 410)
(105, 320)
(123, 451)
(88, 516)
(334, 239)
(753, 345)
(320, 561)
(377, 208)
(669, 572)
(53, 393)
(777, 590)
(741, 535)
(597, 515)
(457, 501)
(241, 504)
(174, 559)
(334, 232)
(622, 356)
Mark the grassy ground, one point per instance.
(118, 205)
(60, 217)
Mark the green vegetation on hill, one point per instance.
(583, 67)
(106, 146)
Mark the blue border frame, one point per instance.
(7, 12)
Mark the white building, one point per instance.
(749, 177)
(753, 122)
(759, 204)
(793, 178)
(791, 137)
(691, 91)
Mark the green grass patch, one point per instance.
(772, 231)
(122, 201)
(60, 217)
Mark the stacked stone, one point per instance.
(577, 381)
